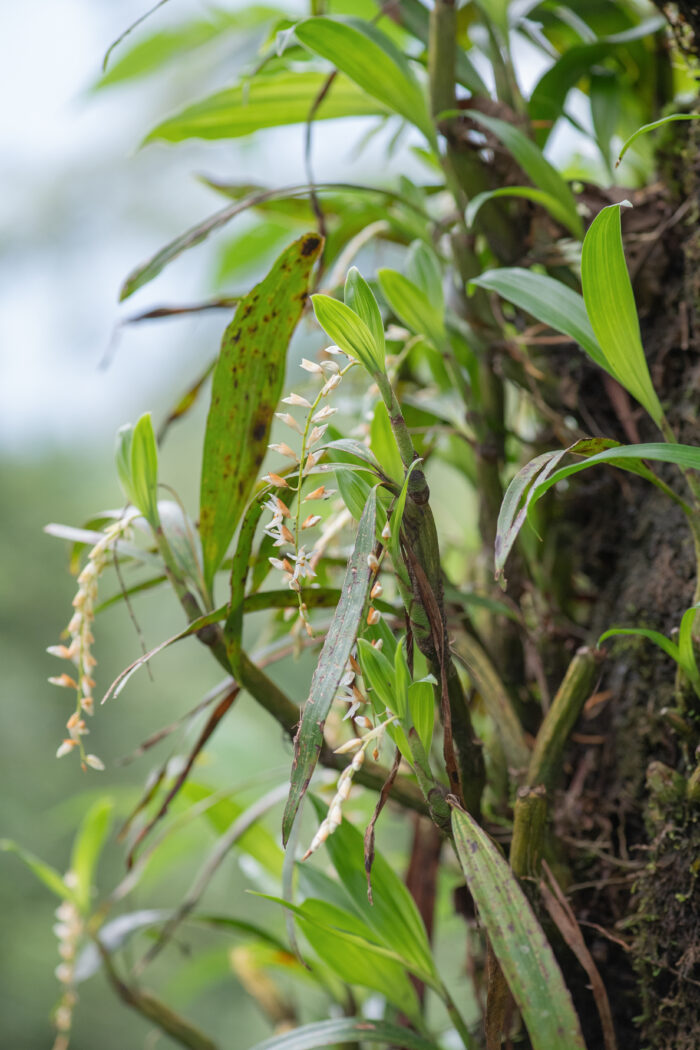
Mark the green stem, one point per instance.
(457, 1020)
(529, 823)
(146, 1004)
(561, 718)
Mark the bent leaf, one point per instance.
(652, 127)
(323, 1034)
(625, 457)
(607, 293)
(266, 102)
(525, 957)
(369, 58)
(553, 206)
(245, 391)
(334, 656)
(536, 167)
(511, 515)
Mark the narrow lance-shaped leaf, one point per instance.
(245, 392)
(607, 293)
(393, 915)
(550, 301)
(360, 298)
(412, 306)
(87, 848)
(525, 957)
(530, 193)
(51, 878)
(334, 656)
(536, 167)
(549, 95)
(512, 515)
(625, 457)
(266, 102)
(322, 1034)
(652, 127)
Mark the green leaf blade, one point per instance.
(607, 293)
(549, 301)
(246, 389)
(518, 941)
(266, 102)
(348, 331)
(87, 848)
(323, 1034)
(412, 306)
(43, 871)
(535, 165)
(334, 656)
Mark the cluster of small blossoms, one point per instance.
(285, 527)
(68, 929)
(358, 745)
(78, 651)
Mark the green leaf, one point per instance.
(44, 872)
(669, 647)
(549, 301)
(383, 444)
(122, 457)
(525, 957)
(87, 848)
(348, 331)
(626, 457)
(421, 704)
(360, 298)
(266, 102)
(331, 665)
(152, 53)
(144, 469)
(605, 94)
(324, 1034)
(536, 167)
(652, 127)
(393, 916)
(607, 293)
(354, 490)
(549, 95)
(423, 268)
(345, 943)
(245, 198)
(245, 391)
(369, 58)
(412, 306)
(553, 206)
(256, 841)
(686, 649)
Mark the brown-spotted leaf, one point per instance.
(245, 391)
(334, 655)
